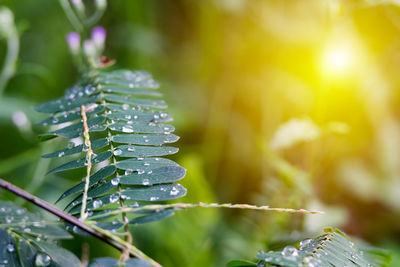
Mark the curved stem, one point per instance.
(88, 227)
(69, 12)
(10, 61)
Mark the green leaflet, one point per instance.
(119, 113)
(156, 176)
(154, 216)
(63, 104)
(70, 116)
(144, 164)
(19, 220)
(155, 193)
(96, 144)
(99, 175)
(130, 151)
(127, 90)
(145, 139)
(137, 102)
(76, 129)
(82, 162)
(22, 239)
(60, 256)
(332, 248)
(142, 128)
(126, 120)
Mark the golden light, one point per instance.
(338, 60)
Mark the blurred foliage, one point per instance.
(233, 73)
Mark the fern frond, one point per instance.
(333, 248)
(127, 124)
(25, 240)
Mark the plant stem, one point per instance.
(89, 162)
(206, 205)
(89, 228)
(10, 61)
(69, 12)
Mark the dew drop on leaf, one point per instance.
(305, 243)
(115, 181)
(117, 152)
(42, 260)
(97, 203)
(290, 252)
(127, 129)
(9, 219)
(10, 248)
(174, 191)
(145, 182)
(114, 198)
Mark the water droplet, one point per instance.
(128, 117)
(139, 171)
(154, 198)
(10, 248)
(9, 219)
(128, 171)
(131, 148)
(39, 224)
(117, 152)
(146, 164)
(42, 260)
(156, 116)
(146, 140)
(115, 181)
(70, 145)
(150, 172)
(134, 204)
(97, 203)
(140, 158)
(21, 211)
(290, 252)
(304, 243)
(151, 124)
(125, 106)
(145, 182)
(60, 154)
(55, 120)
(114, 198)
(135, 117)
(125, 197)
(27, 230)
(127, 129)
(163, 115)
(174, 191)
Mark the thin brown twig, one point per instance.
(95, 231)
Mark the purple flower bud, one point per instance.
(99, 36)
(74, 42)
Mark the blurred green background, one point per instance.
(292, 104)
